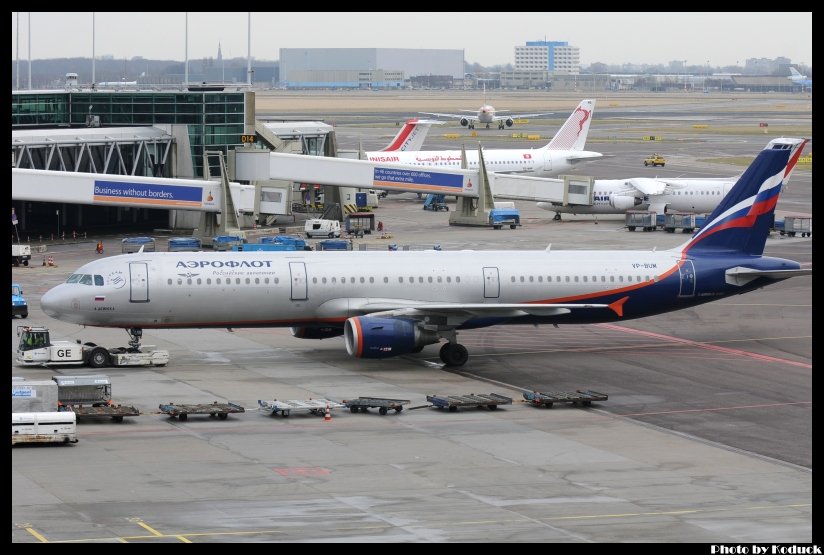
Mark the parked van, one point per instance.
(43, 427)
(322, 228)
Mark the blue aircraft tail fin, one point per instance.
(742, 221)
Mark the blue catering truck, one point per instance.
(503, 214)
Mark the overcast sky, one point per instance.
(487, 38)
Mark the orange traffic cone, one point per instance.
(328, 416)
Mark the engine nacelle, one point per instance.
(509, 122)
(370, 337)
(464, 122)
(623, 202)
(316, 332)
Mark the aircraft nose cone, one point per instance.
(53, 303)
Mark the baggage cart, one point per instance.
(383, 405)
(641, 218)
(115, 412)
(219, 410)
(285, 407)
(548, 398)
(452, 402)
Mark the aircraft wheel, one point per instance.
(454, 354)
(183, 417)
(223, 415)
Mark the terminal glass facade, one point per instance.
(214, 119)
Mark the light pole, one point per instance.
(58, 222)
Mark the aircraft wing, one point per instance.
(459, 116)
(520, 116)
(648, 185)
(457, 313)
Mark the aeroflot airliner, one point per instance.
(390, 303)
(561, 154)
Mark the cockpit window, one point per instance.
(98, 280)
(85, 279)
(74, 278)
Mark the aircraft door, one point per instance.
(297, 270)
(138, 282)
(492, 286)
(547, 160)
(687, 273)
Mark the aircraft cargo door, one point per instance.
(492, 286)
(297, 270)
(139, 282)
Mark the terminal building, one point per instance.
(366, 68)
(147, 135)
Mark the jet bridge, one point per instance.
(476, 189)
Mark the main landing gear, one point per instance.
(454, 354)
(557, 217)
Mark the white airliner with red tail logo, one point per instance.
(411, 135)
(392, 303)
(487, 115)
(561, 154)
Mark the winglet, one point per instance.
(618, 306)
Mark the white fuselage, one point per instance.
(237, 289)
(486, 114)
(616, 196)
(540, 162)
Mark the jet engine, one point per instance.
(371, 337)
(464, 122)
(509, 122)
(316, 332)
(623, 202)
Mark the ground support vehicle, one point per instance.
(19, 305)
(383, 405)
(499, 217)
(644, 219)
(90, 397)
(37, 349)
(312, 406)
(548, 398)
(803, 226)
(43, 427)
(655, 160)
(219, 410)
(115, 412)
(435, 202)
(685, 221)
(452, 402)
(20, 254)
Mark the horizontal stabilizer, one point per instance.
(741, 275)
(582, 155)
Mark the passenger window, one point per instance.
(189, 281)
(169, 282)
(180, 281)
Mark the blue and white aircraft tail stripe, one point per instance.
(742, 220)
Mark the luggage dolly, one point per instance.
(546, 399)
(383, 405)
(220, 410)
(452, 402)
